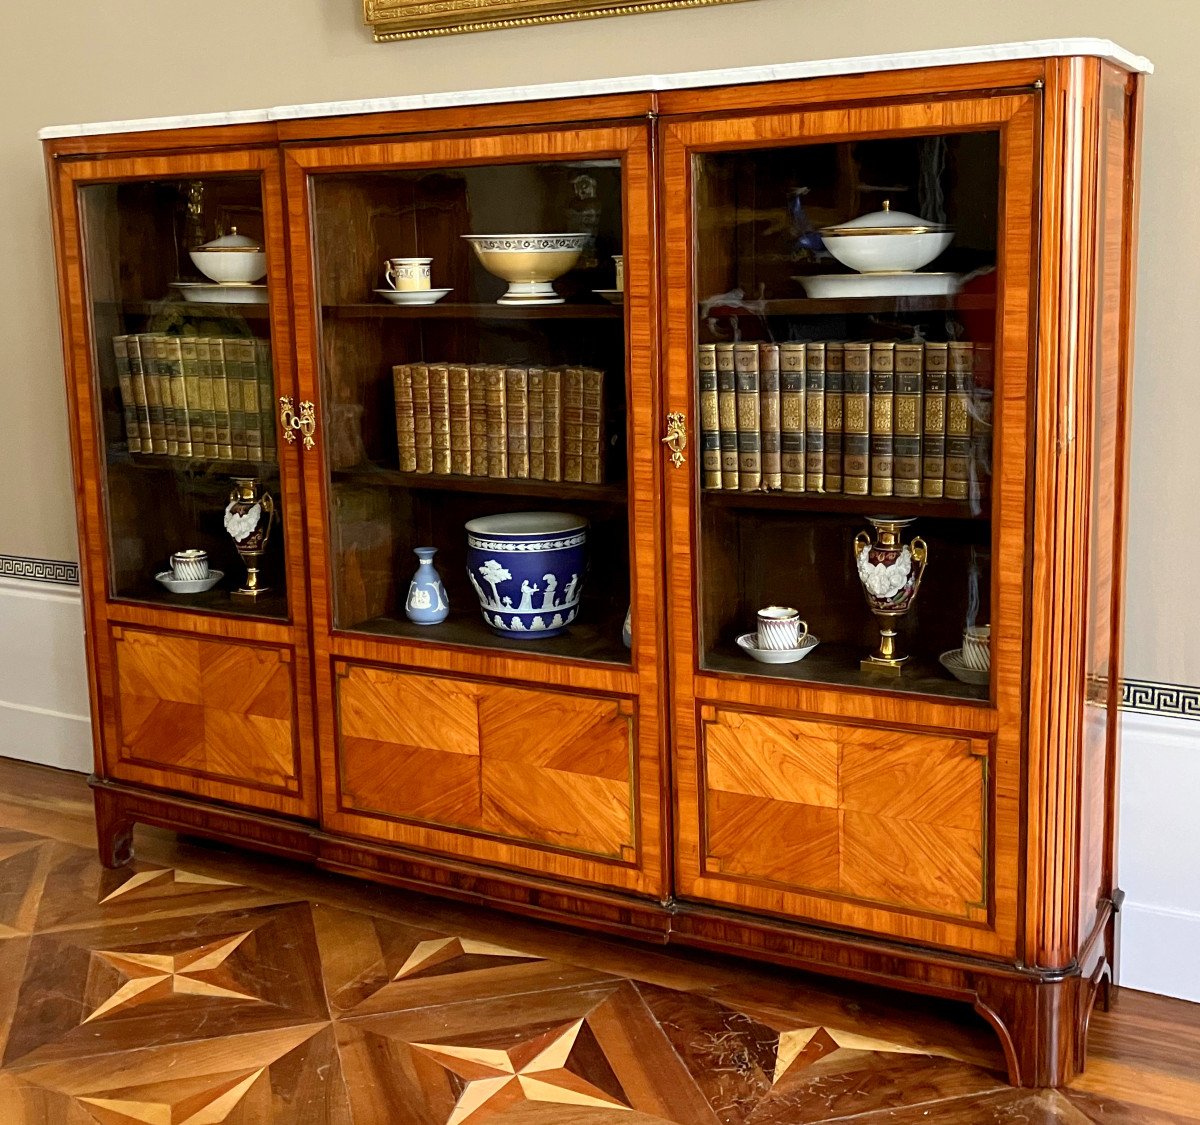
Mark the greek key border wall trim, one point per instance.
(58, 571)
(392, 20)
(1173, 701)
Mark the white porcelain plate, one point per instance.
(899, 284)
(413, 296)
(952, 661)
(217, 293)
(748, 643)
(190, 586)
(616, 296)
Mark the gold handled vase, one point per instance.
(890, 573)
(248, 519)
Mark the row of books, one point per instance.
(890, 418)
(493, 420)
(197, 396)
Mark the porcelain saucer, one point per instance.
(952, 661)
(222, 292)
(748, 643)
(412, 297)
(900, 283)
(192, 585)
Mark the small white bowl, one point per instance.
(952, 661)
(748, 643)
(413, 296)
(231, 259)
(194, 586)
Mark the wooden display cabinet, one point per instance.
(955, 838)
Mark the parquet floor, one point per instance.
(202, 985)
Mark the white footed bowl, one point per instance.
(884, 253)
(230, 264)
(528, 262)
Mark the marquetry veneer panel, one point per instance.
(545, 768)
(191, 711)
(887, 817)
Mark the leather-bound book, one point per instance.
(497, 421)
(749, 417)
(835, 379)
(907, 421)
(958, 418)
(791, 416)
(133, 438)
(552, 407)
(814, 407)
(537, 423)
(593, 426)
(266, 398)
(422, 418)
(477, 380)
(251, 412)
(769, 406)
(516, 391)
(883, 394)
(406, 433)
(856, 420)
(933, 437)
(137, 379)
(727, 415)
(572, 413)
(459, 383)
(710, 418)
(222, 410)
(439, 417)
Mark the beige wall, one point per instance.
(83, 60)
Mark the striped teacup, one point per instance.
(189, 566)
(780, 628)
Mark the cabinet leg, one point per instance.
(114, 830)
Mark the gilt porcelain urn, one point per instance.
(890, 572)
(527, 569)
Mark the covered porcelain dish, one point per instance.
(887, 241)
(231, 259)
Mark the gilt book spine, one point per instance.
(907, 420)
(137, 377)
(593, 425)
(769, 405)
(190, 354)
(477, 378)
(266, 398)
(154, 402)
(406, 433)
(933, 439)
(251, 408)
(422, 417)
(516, 394)
(177, 388)
(856, 421)
(835, 385)
(537, 423)
(573, 424)
(158, 384)
(133, 438)
(727, 414)
(459, 379)
(979, 478)
(710, 420)
(208, 406)
(958, 418)
(749, 416)
(552, 407)
(164, 352)
(219, 362)
(439, 417)
(883, 409)
(792, 415)
(814, 429)
(233, 389)
(497, 422)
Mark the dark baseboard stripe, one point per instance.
(39, 570)
(1174, 701)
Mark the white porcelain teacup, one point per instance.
(780, 628)
(190, 565)
(619, 262)
(408, 274)
(977, 647)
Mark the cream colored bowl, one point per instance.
(887, 241)
(528, 262)
(232, 259)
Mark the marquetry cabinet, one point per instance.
(725, 423)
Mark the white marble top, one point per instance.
(865, 64)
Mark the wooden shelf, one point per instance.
(839, 306)
(482, 311)
(839, 504)
(838, 664)
(201, 309)
(271, 606)
(465, 627)
(493, 486)
(204, 466)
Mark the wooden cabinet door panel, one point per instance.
(210, 717)
(818, 818)
(476, 768)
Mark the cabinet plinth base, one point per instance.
(1041, 1017)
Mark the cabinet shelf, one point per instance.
(489, 486)
(478, 311)
(840, 306)
(204, 310)
(841, 504)
(204, 466)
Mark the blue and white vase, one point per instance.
(527, 569)
(427, 603)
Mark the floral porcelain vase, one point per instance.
(249, 516)
(427, 603)
(890, 573)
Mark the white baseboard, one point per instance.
(1158, 951)
(44, 713)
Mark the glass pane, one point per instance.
(845, 375)
(185, 392)
(493, 384)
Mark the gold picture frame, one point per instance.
(391, 20)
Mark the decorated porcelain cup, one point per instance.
(190, 565)
(619, 262)
(780, 628)
(977, 647)
(408, 274)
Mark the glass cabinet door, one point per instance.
(177, 288)
(473, 394)
(845, 339)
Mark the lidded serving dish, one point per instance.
(232, 259)
(887, 241)
(528, 262)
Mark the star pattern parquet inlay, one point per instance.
(212, 988)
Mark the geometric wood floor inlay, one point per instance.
(201, 986)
